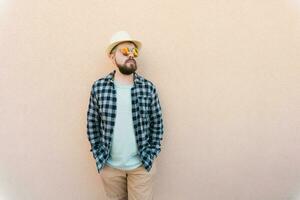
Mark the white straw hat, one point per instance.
(118, 37)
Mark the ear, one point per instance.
(111, 56)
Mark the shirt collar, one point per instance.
(111, 75)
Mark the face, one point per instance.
(126, 64)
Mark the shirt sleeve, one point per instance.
(156, 124)
(93, 122)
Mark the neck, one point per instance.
(123, 78)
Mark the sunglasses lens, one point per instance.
(125, 51)
(135, 52)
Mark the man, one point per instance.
(124, 124)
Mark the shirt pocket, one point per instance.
(144, 103)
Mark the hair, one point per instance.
(114, 49)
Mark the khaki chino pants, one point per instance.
(135, 184)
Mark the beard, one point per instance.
(128, 67)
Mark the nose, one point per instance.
(130, 55)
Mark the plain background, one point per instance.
(227, 73)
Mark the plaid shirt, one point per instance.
(146, 116)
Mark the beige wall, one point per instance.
(227, 73)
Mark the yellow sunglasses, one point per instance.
(125, 51)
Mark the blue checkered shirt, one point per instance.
(146, 116)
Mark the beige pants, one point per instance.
(136, 184)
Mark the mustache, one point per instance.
(130, 60)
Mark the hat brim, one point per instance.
(112, 45)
